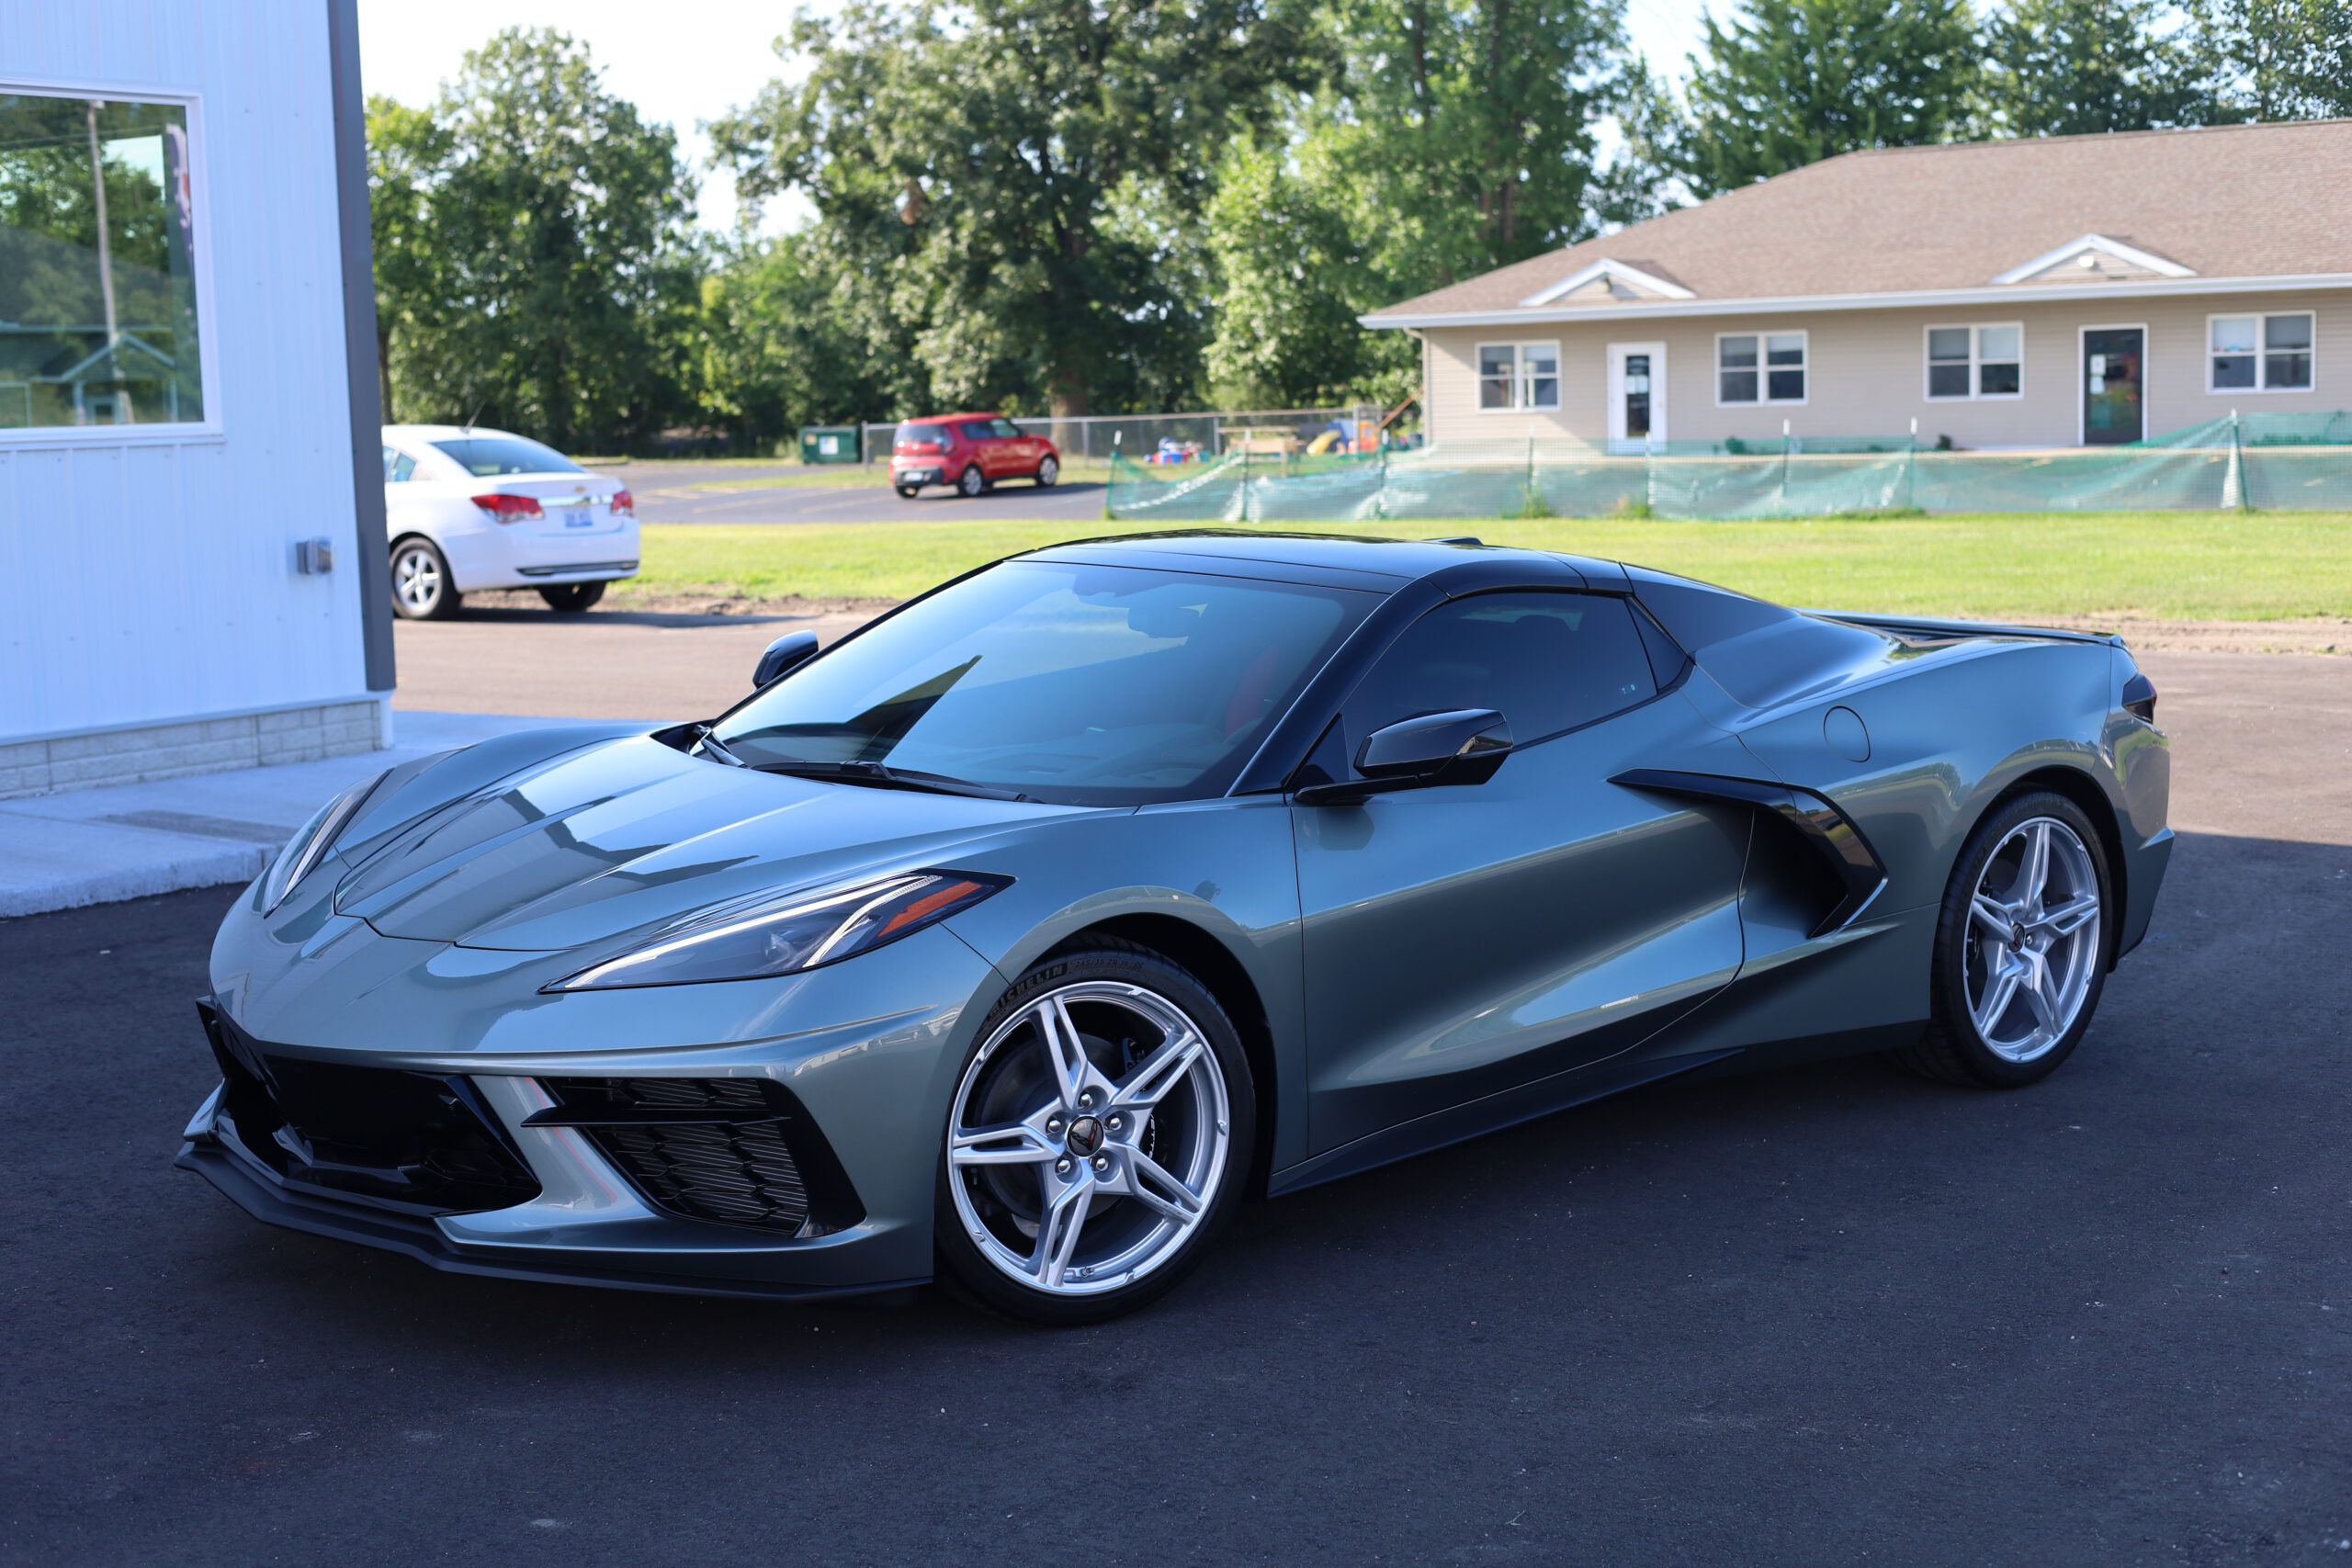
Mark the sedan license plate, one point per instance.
(579, 517)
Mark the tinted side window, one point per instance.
(978, 430)
(1545, 662)
(1005, 427)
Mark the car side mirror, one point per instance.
(1463, 747)
(784, 654)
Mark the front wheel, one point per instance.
(906, 493)
(1099, 1137)
(971, 482)
(2023, 946)
(422, 587)
(572, 598)
(1048, 471)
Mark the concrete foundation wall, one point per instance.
(138, 753)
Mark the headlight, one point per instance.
(314, 841)
(784, 933)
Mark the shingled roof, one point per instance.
(2224, 202)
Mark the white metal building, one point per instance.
(191, 525)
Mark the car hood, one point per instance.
(632, 833)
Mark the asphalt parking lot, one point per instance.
(1821, 1316)
(668, 493)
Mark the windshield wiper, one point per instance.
(712, 745)
(888, 778)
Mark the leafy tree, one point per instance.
(1456, 136)
(530, 249)
(2267, 59)
(1286, 331)
(2082, 67)
(1467, 129)
(787, 335)
(1787, 83)
(1011, 169)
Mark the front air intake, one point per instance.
(732, 1151)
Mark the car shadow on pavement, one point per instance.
(1806, 1303)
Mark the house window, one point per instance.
(1519, 376)
(1975, 362)
(97, 279)
(1780, 379)
(2260, 354)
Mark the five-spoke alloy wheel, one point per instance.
(1099, 1134)
(2023, 946)
(971, 482)
(1048, 470)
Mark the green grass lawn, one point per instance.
(2202, 565)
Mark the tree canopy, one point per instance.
(530, 234)
(1149, 205)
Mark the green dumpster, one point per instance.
(831, 444)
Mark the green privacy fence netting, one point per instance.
(2283, 461)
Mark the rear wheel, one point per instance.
(971, 482)
(572, 598)
(422, 588)
(1048, 470)
(1098, 1138)
(2023, 945)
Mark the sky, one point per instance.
(705, 57)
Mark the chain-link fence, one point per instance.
(2300, 462)
(1175, 440)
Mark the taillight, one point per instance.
(2139, 698)
(510, 508)
(624, 504)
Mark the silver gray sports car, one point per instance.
(1013, 940)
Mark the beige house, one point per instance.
(2068, 291)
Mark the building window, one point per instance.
(1779, 379)
(97, 278)
(1519, 376)
(1976, 362)
(2260, 354)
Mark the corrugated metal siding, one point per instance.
(1867, 372)
(146, 581)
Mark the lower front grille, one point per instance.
(400, 1140)
(733, 1151)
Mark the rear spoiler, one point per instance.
(1927, 627)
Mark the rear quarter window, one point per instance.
(489, 457)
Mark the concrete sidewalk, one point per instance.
(93, 846)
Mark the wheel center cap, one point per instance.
(1085, 1135)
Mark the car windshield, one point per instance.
(919, 432)
(1084, 685)
(486, 456)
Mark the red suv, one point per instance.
(969, 451)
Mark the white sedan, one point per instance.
(470, 509)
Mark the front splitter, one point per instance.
(272, 1202)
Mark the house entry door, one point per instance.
(1636, 395)
(2114, 360)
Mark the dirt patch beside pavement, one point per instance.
(717, 602)
(2327, 634)
(2150, 633)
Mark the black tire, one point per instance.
(1050, 472)
(422, 588)
(572, 598)
(963, 1269)
(971, 482)
(907, 491)
(1952, 1049)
